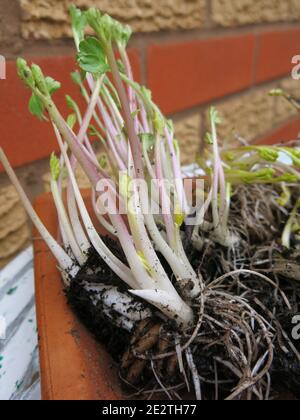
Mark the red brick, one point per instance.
(275, 52)
(188, 74)
(23, 137)
(287, 132)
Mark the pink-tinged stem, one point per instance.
(164, 197)
(133, 137)
(131, 93)
(177, 172)
(90, 169)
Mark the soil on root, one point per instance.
(115, 339)
(161, 366)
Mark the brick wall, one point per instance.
(191, 53)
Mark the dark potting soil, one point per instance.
(115, 339)
(286, 368)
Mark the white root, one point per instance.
(121, 303)
(194, 372)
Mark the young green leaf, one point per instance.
(208, 138)
(49, 86)
(25, 73)
(148, 140)
(52, 85)
(215, 116)
(269, 154)
(121, 67)
(91, 57)
(158, 122)
(93, 17)
(79, 23)
(285, 196)
(76, 77)
(176, 146)
(54, 166)
(36, 106)
(71, 120)
(178, 216)
(277, 92)
(121, 34)
(103, 161)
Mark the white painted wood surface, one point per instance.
(19, 367)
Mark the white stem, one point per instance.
(116, 265)
(64, 261)
(174, 308)
(62, 215)
(105, 223)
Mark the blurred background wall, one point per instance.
(191, 53)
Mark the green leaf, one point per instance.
(208, 138)
(71, 120)
(79, 23)
(148, 140)
(170, 125)
(91, 57)
(39, 79)
(135, 113)
(176, 146)
(121, 67)
(93, 17)
(103, 161)
(277, 92)
(107, 28)
(70, 102)
(178, 216)
(93, 131)
(121, 33)
(146, 93)
(269, 154)
(36, 106)
(293, 154)
(76, 77)
(285, 196)
(215, 116)
(52, 85)
(158, 122)
(25, 73)
(288, 177)
(54, 166)
(230, 156)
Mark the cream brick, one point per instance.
(8, 199)
(248, 115)
(49, 19)
(187, 132)
(12, 220)
(14, 242)
(295, 9)
(229, 13)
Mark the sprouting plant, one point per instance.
(219, 196)
(290, 98)
(123, 117)
(292, 226)
(141, 169)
